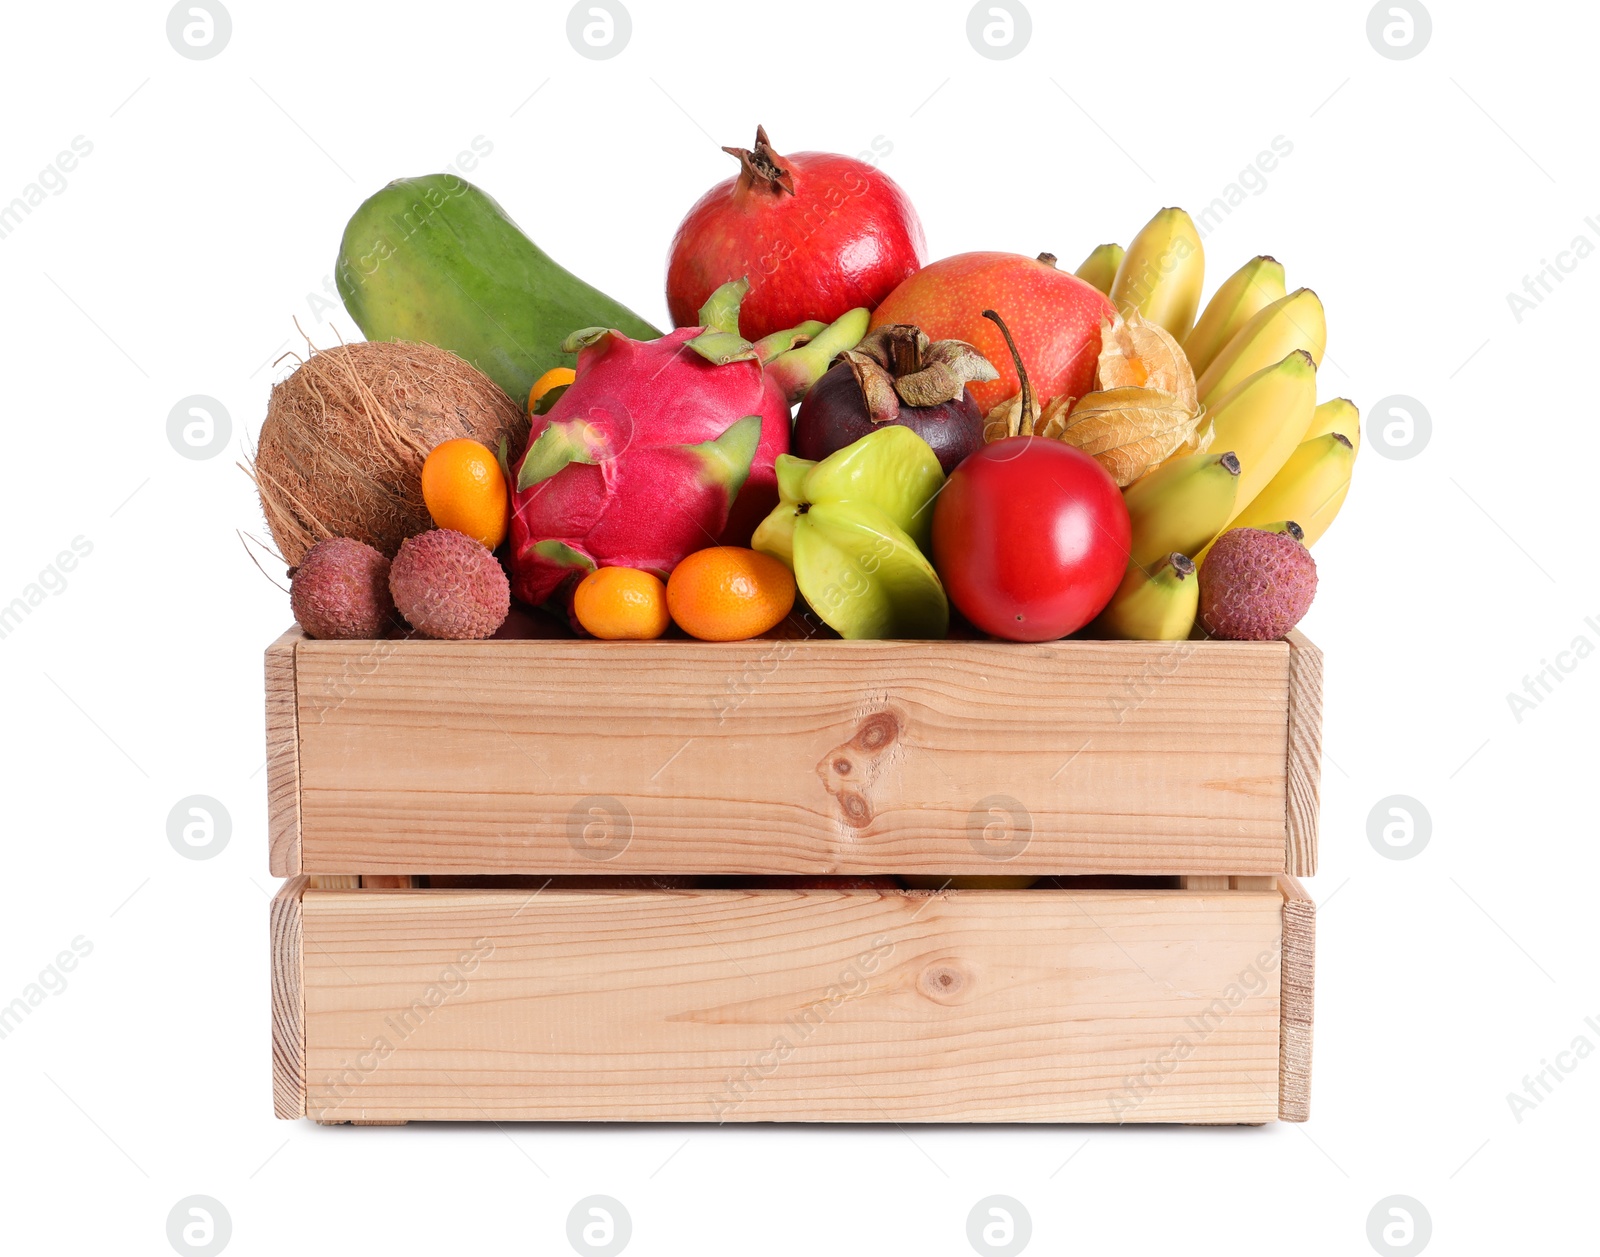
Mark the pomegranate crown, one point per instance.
(761, 166)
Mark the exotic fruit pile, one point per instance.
(985, 444)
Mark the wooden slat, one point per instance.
(815, 1005)
(1304, 769)
(781, 757)
(1299, 971)
(288, 1001)
(283, 757)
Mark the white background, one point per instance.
(175, 261)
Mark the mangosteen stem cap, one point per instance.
(897, 364)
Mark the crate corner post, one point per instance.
(1304, 767)
(288, 1001)
(283, 755)
(1297, 1001)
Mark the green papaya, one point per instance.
(435, 259)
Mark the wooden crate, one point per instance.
(1123, 1004)
(793, 757)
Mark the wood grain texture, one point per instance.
(765, 757)
(1298, 1005)
(1304, 769)
(288, 1001)
(283, 757)
(784, 1005)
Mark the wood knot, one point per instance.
(857, 811)
(851, 767)
(878, 731)
(944, 982)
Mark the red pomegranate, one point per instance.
(816, 234)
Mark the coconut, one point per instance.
(342, 448)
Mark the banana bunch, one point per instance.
(1277, 460)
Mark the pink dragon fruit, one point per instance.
(659, 448)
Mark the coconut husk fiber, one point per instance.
(342, 447)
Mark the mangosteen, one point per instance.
(896, 375)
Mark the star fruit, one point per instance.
(854, 528)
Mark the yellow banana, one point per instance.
(1262, 419)
(1309, 489)
(1289, 323)
(1100, 267)
(1181, 505)
(1255, 285)
(1162, 273)
(1154, 606)
(1341, 416)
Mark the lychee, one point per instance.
(1255, 585)
(341, 590)
(447, 585)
